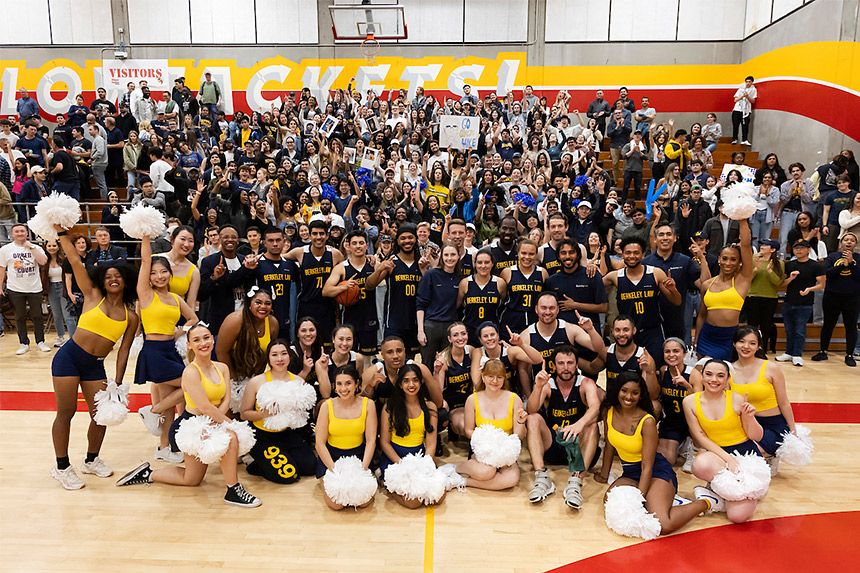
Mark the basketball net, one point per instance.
(369, 49)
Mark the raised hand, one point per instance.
(522, 416)
(308, 362)
(323, 360)
(747, 409)
(220, 269)
(251, 261)
(515, 339)
(542, 377)
(438, 364)
(669, 283)
(585, 323)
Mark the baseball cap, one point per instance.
(385, 238)
(584, 204)
(772, 243)
(797, 243)
(700, 235)
(471, 226)
(518, 154)
(611, 202)
(36, 169)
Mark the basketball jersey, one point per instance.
(275, 278)
(523, 291)
(640, 300)
(547, 346)
(332, 368)
(466, 263)
(313, 274)
(362, 315)
(481, 303)
(384, 389)
(458, 382)
(402, 288)
(672, 398)
(503, 259)
(561, 411)
(615, 367)
(549, 259)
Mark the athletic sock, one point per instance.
(91, 457)
(63, 463)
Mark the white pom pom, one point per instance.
(739, 201)
(181, 345)
(492, 446)
(244, 433)
(111, 404)
(237, 390)
(416, 476)
(349, 483)
(626, 514)
(750, 481)
(136, 346)
(201, 438)
(55, 209)
(796, 449)
(289, 402)
(142, 220)
(42, 227)
(710, 197)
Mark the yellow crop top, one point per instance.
(180, 285)
(97, 322)
(259, 423)
(761, 393)
(159, 317)
(506, 423)
(267, 336)
(346, 433)
(415, 437)
(728, 430)
(628, 448)
(729, 299)
(214, 391)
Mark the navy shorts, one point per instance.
(662, 470)
(716, 341)
(336, 454)
(158, 362)
(401, 451)
(366, 342)
(72, 360)
(171, 434)
(454, 399)
(677, 431)
(409, 338)
(747, 447)
(774, 427)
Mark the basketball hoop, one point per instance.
(369, 49)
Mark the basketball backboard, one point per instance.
(377, 19)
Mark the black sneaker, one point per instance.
(137, 476)
(236, 495)
(849, 361)
(820, 357)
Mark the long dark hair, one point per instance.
(613, 388)
(398, 414)
(248, 358)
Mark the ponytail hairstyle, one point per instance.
(192, 328)
(248, 358)
(449, 349)
(398, 413)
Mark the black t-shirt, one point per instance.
(106, 105)
(64, 133)
(67, 270)
(69, 174)
(809, 271)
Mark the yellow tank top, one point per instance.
(629, 448)
(97, 322)
(415, 437)
(160, 318)
(346, 433)
(760, 393)
(506, 423)
(267, 336)
(214, 391)
(180, 285)
(729, 299)
(728, 430)
(259, 423)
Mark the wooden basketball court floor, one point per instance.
(105, 528)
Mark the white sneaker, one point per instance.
(43, 347)
(573, 492)
(690, 455)
(68, 478)
(734, 142)
(97, 467)
(678, 501)
(455, 480)
(716, 502)
(59, 341)
(543, 487)
(165, 454)
(745, 142)
(784, 357)
(797, 360)
(22, 349)
(150, 420)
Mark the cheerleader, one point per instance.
(763, 384)
(206, 386)
(453, 372)
(408, 424)
(674, 386)
(480, 294)
(185, 276)
(343, 341)
(493, 403)
(510, 353)
(279, 456)
(79, 363)
(158, 361)
(723, 423)
(346, 426)
(631, 432)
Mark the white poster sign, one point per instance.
(117, 73)
(459, 132)
(747, 172)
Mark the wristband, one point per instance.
(62, 233)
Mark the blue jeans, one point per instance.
(786, 223)
(759, 226)
(64, 320)
(691, 311)
(795, 318)
(73, 189)
(711, 147)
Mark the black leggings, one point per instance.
(848, 305)
(760, 311)
(738, 120)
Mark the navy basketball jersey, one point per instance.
(547, 346)
(402, 288)
(523, 291)
(332, 368)
(314, 273)
(640, 300)
(466, 263)
(561, 411)
(614, 367)
(481, 303)
(503, 259)
(549, 259)
(275, 278)
(672, 398)
(384, 389)
(458, 382)
(362, 315)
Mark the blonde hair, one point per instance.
(493, 367)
